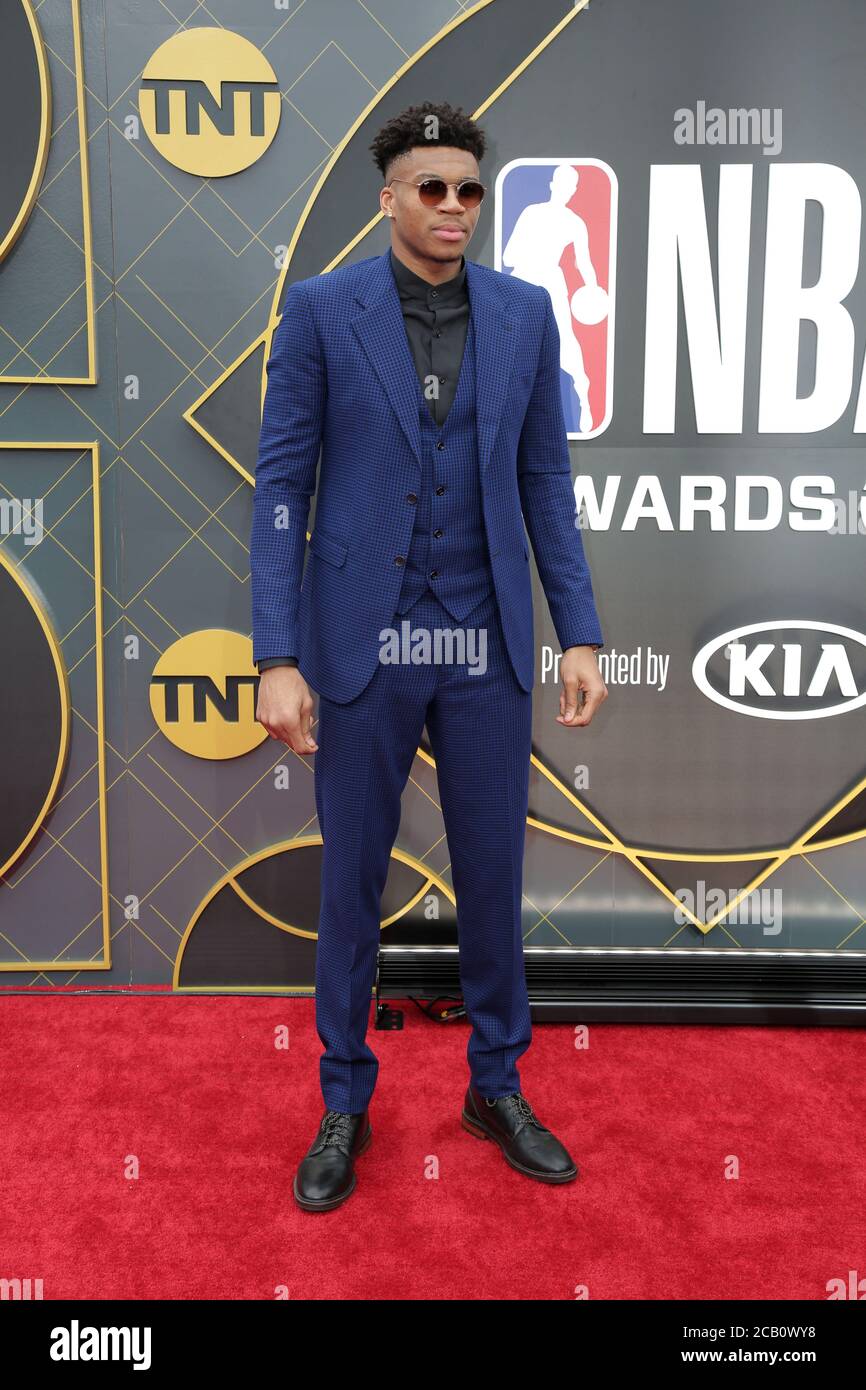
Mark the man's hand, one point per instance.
(285, 707)
(578, 670)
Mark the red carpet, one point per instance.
(217, 1119)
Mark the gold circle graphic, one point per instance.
(203, 695)
(209, 102)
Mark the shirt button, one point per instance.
(410, 497)
(434, 294)
(438, 533)
(399, 559)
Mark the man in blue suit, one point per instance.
(431, 386)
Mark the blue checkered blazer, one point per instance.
(341, 378)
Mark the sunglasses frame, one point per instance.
(448, 184)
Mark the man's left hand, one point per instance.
(578, 671)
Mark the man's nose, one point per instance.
(451, 203)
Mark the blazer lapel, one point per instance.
(494, 355)
(382, 333)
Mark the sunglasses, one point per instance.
(432, 191)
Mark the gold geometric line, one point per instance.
(44, 136)
(853, 932)
(407, 906)
(163, 619)
(58, 174)
(176, 316)
(187, 205)
(190, 371)
(180, 384)
(192, 492)
(48, 534)
(198, 840)
(91, 377)
(57, 481)
(308, 122)
(176, 930)
(200, 429)
(267, 916)
(384, 30)
(194, 535)
(837, 891)
(75, 626)
(544, 916)
(302, 74)
(215, 824)
(60, 381)
(65, 720)
(22, 347)
(352, 62)
(155, 944)
(105, 962)
(230, 876)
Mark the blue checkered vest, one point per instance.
(448, 553)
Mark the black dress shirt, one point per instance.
(437, 321)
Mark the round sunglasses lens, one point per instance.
(432, 192)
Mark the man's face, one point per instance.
(441, 233)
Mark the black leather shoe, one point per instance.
(326, 1176)
(525, 1142)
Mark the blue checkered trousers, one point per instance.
(341, 379)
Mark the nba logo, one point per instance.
(556, 227)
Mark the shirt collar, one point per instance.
(412, 286)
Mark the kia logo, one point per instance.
(807, 667)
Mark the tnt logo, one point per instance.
(556, 227)
(203, 694)
(210, 102)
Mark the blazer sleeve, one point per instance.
(547, 501)
(288, 454)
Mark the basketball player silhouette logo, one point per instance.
(564, 240)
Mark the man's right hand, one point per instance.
(285, 707)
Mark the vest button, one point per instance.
(399, 559)
(410, 497)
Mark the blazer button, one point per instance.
(439, 444)
(434, 574)
(438, 533)
(410, 497)
(440, 490)
(399, 559)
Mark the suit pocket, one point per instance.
(328, 547)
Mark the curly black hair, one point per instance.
(413, 127)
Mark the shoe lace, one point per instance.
(337, 1129)
(522, 1110)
